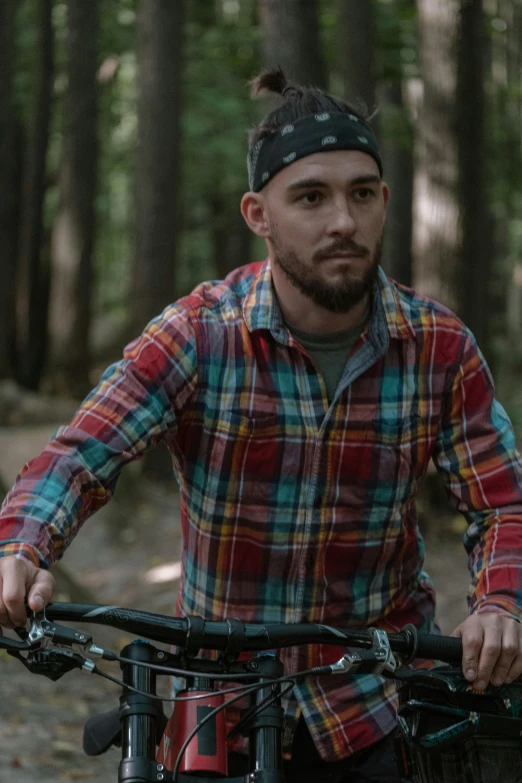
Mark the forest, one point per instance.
(123, 143)
(122, 160)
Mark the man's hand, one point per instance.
(491, 649)
(20, 580)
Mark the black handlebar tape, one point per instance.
(442, 648)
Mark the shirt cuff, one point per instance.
(22, 551)
(499, 605)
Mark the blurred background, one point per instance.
(123, 141)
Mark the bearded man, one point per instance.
(302, 399)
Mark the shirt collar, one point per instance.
(261, 309)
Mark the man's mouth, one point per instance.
(345, 255)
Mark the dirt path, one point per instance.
(128, 554)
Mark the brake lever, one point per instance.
(43, 630)
(42, 633)
(379, 660)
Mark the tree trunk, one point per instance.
(160, 47)
(231, 237)
(436, 214)
(356, 50)
(32, 281)
(74, 228)
(9, 192)
(291, 39)
(397, 155)
(476, 258)
(506, 119)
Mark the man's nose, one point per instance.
(342, 221)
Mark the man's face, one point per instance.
(325, 215)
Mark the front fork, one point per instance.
(265, 730)
(141, 714)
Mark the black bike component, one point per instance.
(102, 731)
(265, 776)
(442, 648)
(53, 664)
(462, 724)
(195, 636)
(143, 770)
(411, 633)
(13, 646)
(256, 636)
(139, 716)
(265, 747)
(271, 717)
(61, 634)
(451, 732)
(235, 642)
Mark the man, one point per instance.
(302, 399)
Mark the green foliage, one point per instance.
(396, 39)
(221, 59)
(223, 52)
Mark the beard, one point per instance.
(339, 297)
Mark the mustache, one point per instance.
(346, 246)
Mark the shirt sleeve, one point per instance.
(134, 406)
(482, 471)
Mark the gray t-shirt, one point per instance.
(330, 351)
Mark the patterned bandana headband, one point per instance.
(315, 133)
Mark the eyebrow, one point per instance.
(364, 179)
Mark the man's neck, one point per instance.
(302, 313)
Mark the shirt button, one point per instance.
(318, 501)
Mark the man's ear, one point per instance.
(253, 209)
(385, 194)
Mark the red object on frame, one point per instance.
(207, 750)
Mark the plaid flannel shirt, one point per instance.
(295, 508)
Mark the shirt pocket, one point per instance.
(258, 457)
(240, 451)
(391, 458)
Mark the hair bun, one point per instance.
(271, 80)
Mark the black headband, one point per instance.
(315, 133)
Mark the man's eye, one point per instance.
(364, 194)
(311, 198)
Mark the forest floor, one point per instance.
(128, 555)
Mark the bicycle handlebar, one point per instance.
(225, 635)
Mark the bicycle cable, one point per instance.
(187, 672)
(256, 709)
(245, 688)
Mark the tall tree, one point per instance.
(477, 251)
(397, 155)
(74, 228)
(32, 283)
(218, 115)
(436, 214)
(231, 237)
(505, 127)
(356, 38)
(160, 53)
(396, 35)
(9, 191)
(291, 39)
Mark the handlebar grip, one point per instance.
(443, 648)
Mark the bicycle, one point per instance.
(438, 713)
